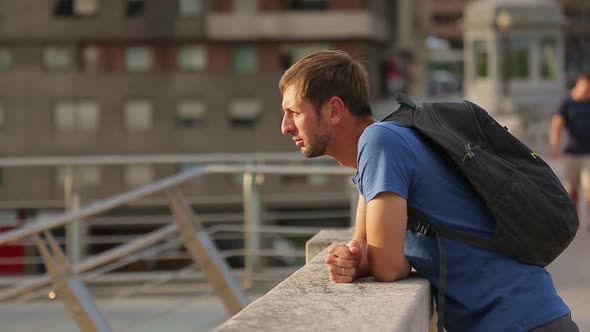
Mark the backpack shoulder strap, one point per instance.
(418, 222)
(404, 115)
(404, 99)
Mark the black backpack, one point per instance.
(535, 217)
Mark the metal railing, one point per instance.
(67, 277)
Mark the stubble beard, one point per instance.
(316, 147)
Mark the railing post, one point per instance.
(252, 222)
(76, 297)
(75, 231)
(205, 254)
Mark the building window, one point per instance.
(2, 116)
(90, 58)
(245, 6)
(5, 59)
(138, 115)
(135, 7)
(244, 59)
(139, 58)
(192, 57)
(72, 115)
(58, 58)
(189, 113)
(548, 59)
(190, 8)
(138, 175)
(480, 59)
(82, 176)
(86, 7)
(75, 7)
(293, 53)
(244, 112)
(519, 58)
(309, 4)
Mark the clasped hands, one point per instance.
(343, 261)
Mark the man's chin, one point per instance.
(311, 154)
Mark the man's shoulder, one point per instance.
(386, 130)
(392, 138)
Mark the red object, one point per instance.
(13, 250)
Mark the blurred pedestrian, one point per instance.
(573, 115)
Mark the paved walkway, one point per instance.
(149, 314)
(571, 274)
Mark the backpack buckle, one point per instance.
(423, 228)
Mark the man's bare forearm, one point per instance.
(364, 270)
(360, 236)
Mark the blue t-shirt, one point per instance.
(576, 115)
(486, 291)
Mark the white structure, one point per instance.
(514, 63)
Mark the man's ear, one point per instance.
(337, 109)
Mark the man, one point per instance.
(327, 112)
(574, 116)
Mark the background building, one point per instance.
(447, 18)
(97, 78)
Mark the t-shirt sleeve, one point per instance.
(385, 163)
(562, 110)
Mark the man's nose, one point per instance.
(287, 127)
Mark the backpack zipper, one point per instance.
(468, 148)
(481, 132)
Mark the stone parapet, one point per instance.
(309, 301)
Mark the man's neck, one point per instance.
(345, 146)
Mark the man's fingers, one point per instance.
(354, 247)
(339, 278)
(342, 251)
(347, 263)
(342, 261)
(342, 271)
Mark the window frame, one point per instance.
(127, 171)
(127, 58)
(552, 68)
(76, 128)
(73, 13)
(245, 121)
(126, 117)
(184, 16)
(252, 64)
(71, 66)
(10, 53)
(476, 52)
(186, 48)
(197, 122)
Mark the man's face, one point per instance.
(584, 84)
(310, 133)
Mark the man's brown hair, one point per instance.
(324, 74)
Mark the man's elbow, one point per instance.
(389, 275)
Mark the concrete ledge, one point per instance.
(309, 301)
